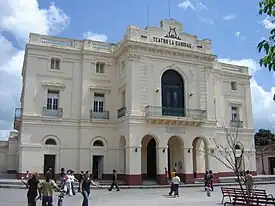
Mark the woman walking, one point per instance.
(85, 184)
(46, 188)
(33, 188)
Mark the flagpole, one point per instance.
(169, 6)
(148, 15)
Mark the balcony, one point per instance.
(121, 112)
(99, 115)
(236, 123)
(175, 116)
(52, 113)
(17, 119)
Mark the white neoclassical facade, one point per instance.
(152, 101)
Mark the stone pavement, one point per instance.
(136, 197)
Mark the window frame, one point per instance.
(100, 67)
(53, 64)
(233, 85)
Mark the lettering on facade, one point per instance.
(172, 38)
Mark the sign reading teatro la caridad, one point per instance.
(171, 38)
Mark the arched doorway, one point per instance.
(200, 157)
(148, 158)
(175, 155)
(172, 90)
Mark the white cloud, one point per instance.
(262, 100)
(206, 20)
(95, 36)
(17, 19)
(267, 23)
(229, 17)
(186, 4)
(239, 36)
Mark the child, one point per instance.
(175, 185)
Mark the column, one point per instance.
(162, 162)
(213, 165)
(188, 165)
(133, 165)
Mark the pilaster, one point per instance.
(162, 163)
(188, 165)
(133, 165)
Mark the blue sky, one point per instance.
(234, 27)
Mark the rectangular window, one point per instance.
(233, 85)
(100, 67)
(234, 114)
(52, 100)
(99, 102)
(55, 63)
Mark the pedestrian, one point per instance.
(248, 182)
(73, 179)
(81, 175)
(32, 189)
(114, 183)
(62, 178)
(175, 185)
(46, 189)
(206, 176)
(85, 187)
(166, 175)
(211, 179)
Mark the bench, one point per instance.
(230, 192)
(251, 200)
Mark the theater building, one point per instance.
(154, 100)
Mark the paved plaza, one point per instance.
(134, 197)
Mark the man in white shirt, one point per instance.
(175, 185)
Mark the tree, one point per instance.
(230, 152)
(264, 137)
(267, 7)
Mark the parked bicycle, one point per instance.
(60, 198)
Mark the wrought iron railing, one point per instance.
(236, 123)
(99, 115)
(52, 112)
(177, 112)
(121, 112)
(18, 113)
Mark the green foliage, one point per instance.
(267, 7)
(264, 137)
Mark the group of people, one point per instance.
(44, 189)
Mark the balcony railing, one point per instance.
(18, 113)
(52, 113)
(196, 114)
(17, 118)
(121, 112)
(99, 115)
(236, 123)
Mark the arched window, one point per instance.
(172, 87)
(98, 143)
(50, 142)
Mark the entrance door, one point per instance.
(271, 161)
(172, 94)
(151, 159)
(97, 166)
(49, 162)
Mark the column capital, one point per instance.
(132, 146)
(162, 147)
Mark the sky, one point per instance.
(234, 27)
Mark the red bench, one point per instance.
(251, 200)
(232, 192)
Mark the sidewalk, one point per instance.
(17, 184)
